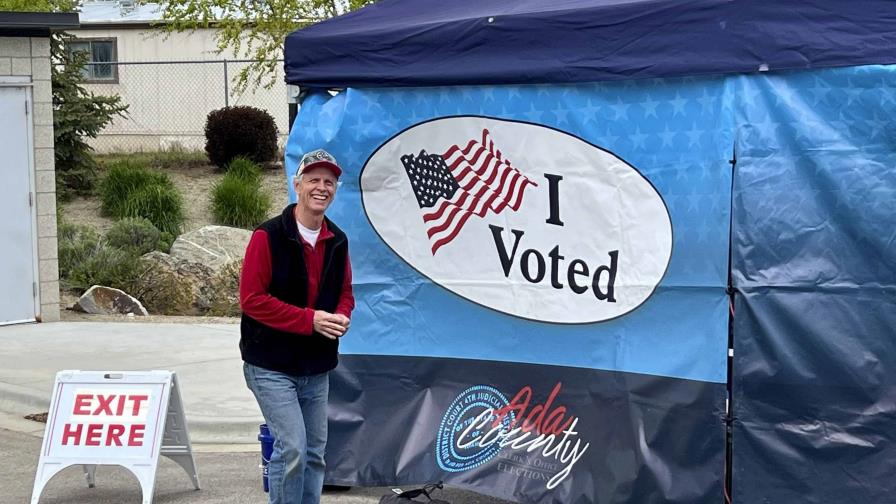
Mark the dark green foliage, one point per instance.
(77, 115)
(130, 190)
(240, 131)
(166, 240)
(121, 180)
(239, 202)
(160, 203)
(136, 234)
(244, 169)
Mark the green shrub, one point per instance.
(122, 179)
(78, 116)
(240, 131)
(161, 204)
(85, 259)
(136, 234)
(76, 244)
(244, 169)
(240, 203)
(166, 240)
(108, 266)
(130, 190)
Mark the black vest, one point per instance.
(296, 354)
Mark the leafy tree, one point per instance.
(38, 5)
(77, 113)
(252, 30)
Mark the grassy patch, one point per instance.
(159, 203)
(164, 159)
(245, 169)
(131, 190)
(237, 200)
(238, 203)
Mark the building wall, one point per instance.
(169, 102)
(24, 56)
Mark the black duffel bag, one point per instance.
(416, 495)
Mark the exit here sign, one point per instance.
(99, 420)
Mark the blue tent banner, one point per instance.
(563, 218)
(511, 265)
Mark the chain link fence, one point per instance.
(170, 100)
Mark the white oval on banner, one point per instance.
(520, 218)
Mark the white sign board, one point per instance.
(115, 418)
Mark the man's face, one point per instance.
(315, 189)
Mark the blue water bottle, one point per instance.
(267, 448)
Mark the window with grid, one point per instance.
(99, 52)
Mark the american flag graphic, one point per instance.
(460, 183)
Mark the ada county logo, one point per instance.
(518, 217)
(481, 422)
(461, 415)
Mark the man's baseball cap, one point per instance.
(319, 159)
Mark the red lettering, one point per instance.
(525, 395)
(136, 436)
(105, 404)
(136, 400)
(551, 425)
(547, 405)
(120, 410)
(71, 431)
(536, 419)
(82, 404)
(113, 435)
(529, 424)
(94, 434)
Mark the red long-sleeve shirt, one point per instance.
(258, 303)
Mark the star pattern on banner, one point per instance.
(679, 133)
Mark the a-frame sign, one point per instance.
(115, 418)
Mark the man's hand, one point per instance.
(343, 321)
(330, 325)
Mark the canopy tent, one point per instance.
(434, 42)
(765, 128)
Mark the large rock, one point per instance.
(213, 246)
(108, 301)
(172, 286)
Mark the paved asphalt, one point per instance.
(222, 414)
(225, 478)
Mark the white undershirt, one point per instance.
(310, 235)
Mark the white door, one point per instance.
(18, 296)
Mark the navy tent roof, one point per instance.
(450, 42)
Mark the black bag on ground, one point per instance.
(416, 495)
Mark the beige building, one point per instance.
(170, 81)
(29, 265)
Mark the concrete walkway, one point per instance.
(219, 407)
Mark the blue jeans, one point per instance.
(295, 409)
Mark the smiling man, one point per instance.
(296, 298)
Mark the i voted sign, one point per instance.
(518, 217)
